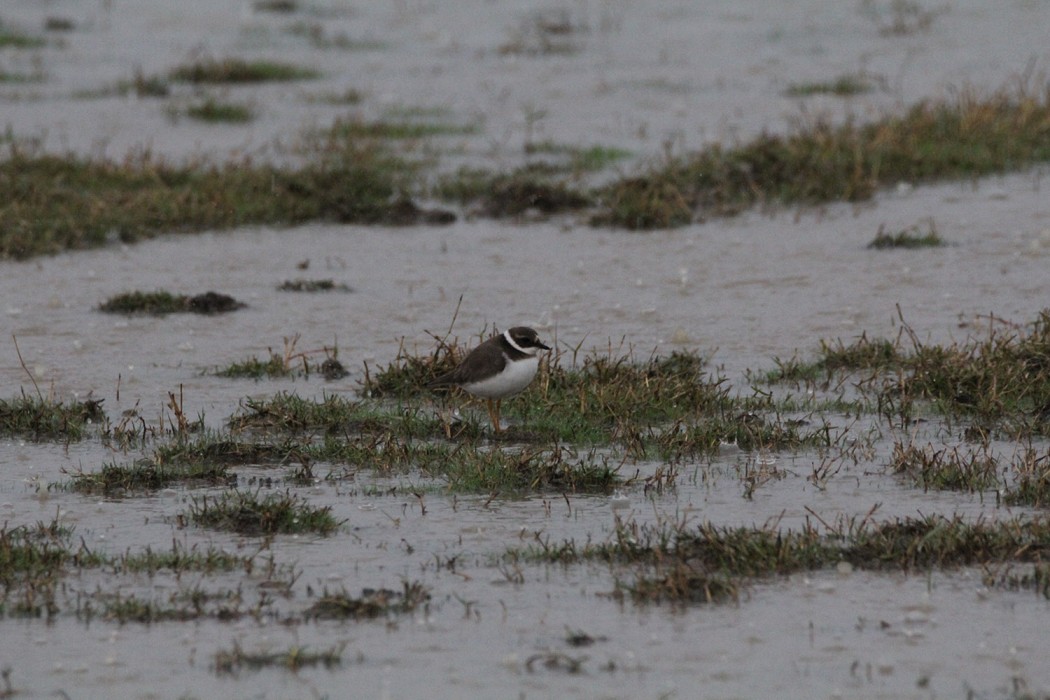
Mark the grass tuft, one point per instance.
(149, 475)
(245, 513)
(913, 237)
(233, 661)
(46, 419)
(1001, 378)
(13, 38)
(302, 285)
(61, 203)
(842, 86)
(967, 136)
(675, 563)
(372, 603)
(213, 111)
(236, 70)
(953, 469)
(525, 190)
(161, 303)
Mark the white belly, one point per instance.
(515, 377)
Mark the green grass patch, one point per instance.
(667, 406)
(13, 38)
(284, 7)
(708, 563)
(204, 461)
(283, 367)
(579, 159)
(303, 285)
(291, 414)
(680, 584)
(1000, 378)
(141, 85)
(221, 449)
(236, 70)
(31, 552)
(467, 467)
(912, 237)
(11, 78)
(372, 603)
(215, 111)
(836, 357)
(968, 135)
(61, 203)
(33, 561)
(181, 559)
(353, 129)
(225, 605)
(46, 419)
(290, 363)
(556, 470)
(347, 97)
(1023, 479)
(233, 661)
(527, 189)
(319, 38)
(149, 475)
(396, 440)
(161, 303)
(842, 86)
(59, 24)
(256, 368)
(1031, 485)
(347, 174)
(247, 513)
(953, 469)
(1003, 377)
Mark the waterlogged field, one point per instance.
(793, 439)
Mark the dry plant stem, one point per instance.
(23, 363)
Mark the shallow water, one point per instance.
(743, 291)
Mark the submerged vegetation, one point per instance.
(586, 423)
(348, 173)
(677, 563)
(581, 428)
(670, 407)
(372, 603)
(1000, 380)
(235, 660)
(10, 37)
(248, 513)
(966, 136)
(213, 110)
(60, 203)
(237, 70)
(912, 237)
(289, 363)
(160, 303)
(842, 86)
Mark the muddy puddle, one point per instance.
(742, 291)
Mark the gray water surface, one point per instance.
(743, 291)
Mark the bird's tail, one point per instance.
(443, 381)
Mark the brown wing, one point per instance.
(485, 358)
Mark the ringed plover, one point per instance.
(501, 366)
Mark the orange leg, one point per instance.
(494, 414)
